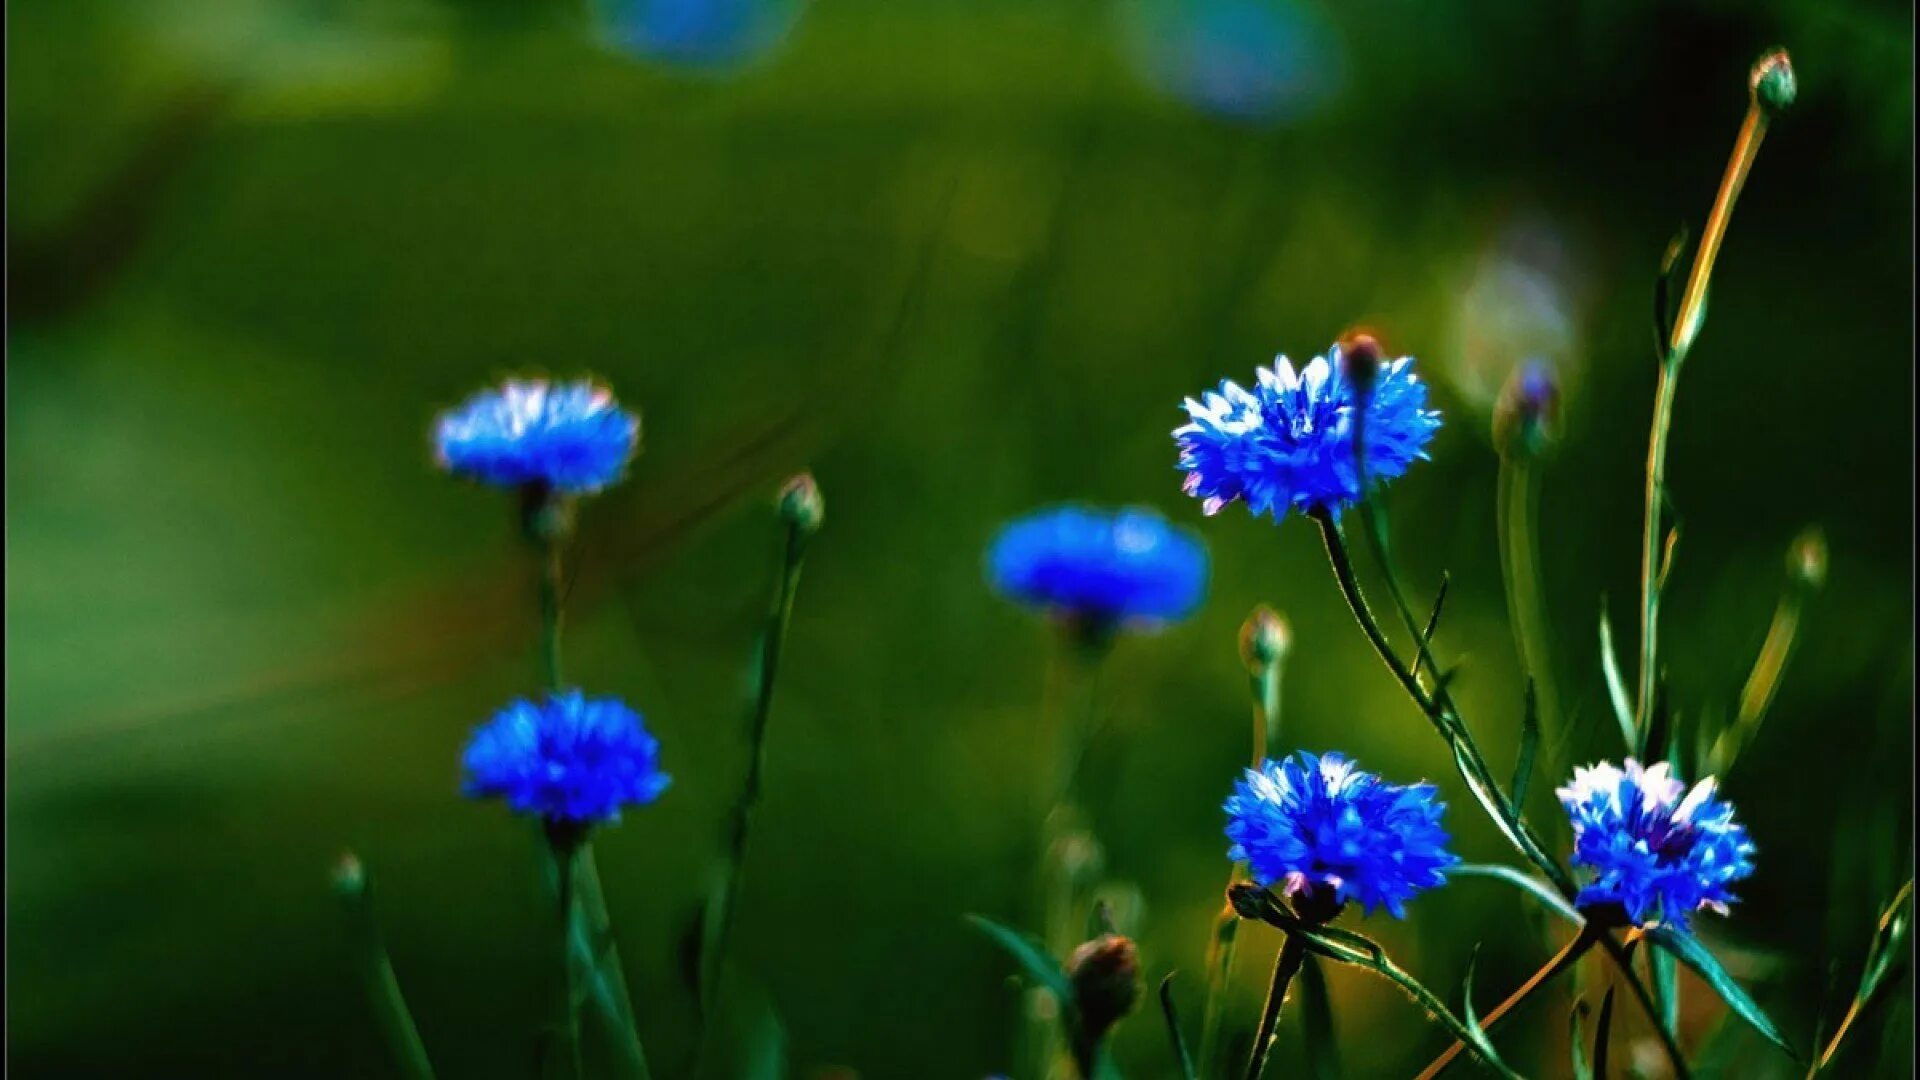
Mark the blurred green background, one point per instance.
(960, 259)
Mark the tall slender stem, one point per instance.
(1561, 961)
(587, 928)
(1686, 328)
(1293, 951)
(1519, 488)
(563, 857)
(1265, 661)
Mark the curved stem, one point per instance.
(1285, 965)
(1622, 956)
(1562, 960)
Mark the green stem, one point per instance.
(1264, 685)
(1650, 549)
(563, 868)
(721, 915)
(1622, 956)
(589, 942)
(1066, 839)
(1519, 561)
(383, 986)
(1285, 965)
(1439, 713)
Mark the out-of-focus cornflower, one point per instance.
(1104, 568)
(714, 35)
(1327, 832)
(1245, 60)
(1657, 850)
(1528, 414)
(571, 760)
(1288, 443)
(571, 438)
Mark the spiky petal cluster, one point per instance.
(569, 437)
(1288, 444)
(1115, 567)
(568, 760)
(1319, 824)
(1656, 848)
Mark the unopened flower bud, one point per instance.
(1105, 973)
(1360, 357)
(801, 506)
(1264, 638)
(349, 876)
(1807, 559)
(1527, 415)
(1772, 81)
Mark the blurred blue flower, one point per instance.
(569, 760)
(1327, 832)
(1105, 567)
(1244, 60)
(1288, 444)
(711, 34)
(571, 437)
(1656, 849)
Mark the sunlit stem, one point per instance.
(1293, 951)
(1519, 492)
(1264, 677)
(1686, 328)
(1564, 959)
(1860, 999)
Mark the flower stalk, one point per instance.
(802, 510)
(1561, 961)
(351, 883)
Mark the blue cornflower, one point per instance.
(707, 34)
(1102, 567)
(571, 437)
(570, 760)
(1288, 444)
(1327, 832)
(1656, 849)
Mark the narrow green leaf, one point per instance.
(1602, 1034)
(1032, 957)
(1577, 1040)
(1529, 746)
(1172, 1015)
(1466, 994)
(1687, 949)
(1489, 799)
(1433, 624)
(1540, 890)
(1616, 686)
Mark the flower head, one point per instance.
(1328, 832)
(1110, 567)
(1657, 849)
(1288, 443)
(570, 760)
(570, 437)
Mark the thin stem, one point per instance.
(589, 941)
(383, 986)
(1686, 327)
(1438, 714)
(1519, 562)
(1264, 684)
(1562, 960)
(569, 983)
(719, 934)
(1285, 965)
(1622, 955)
